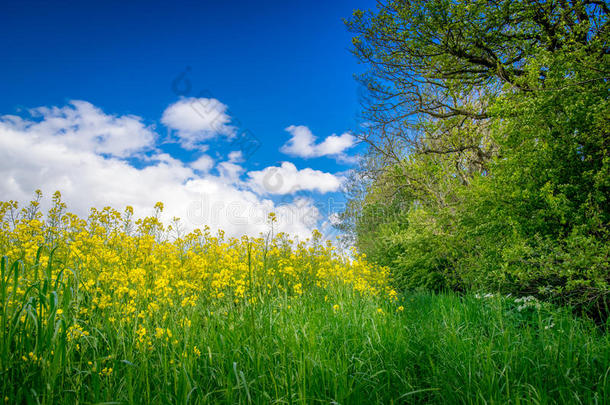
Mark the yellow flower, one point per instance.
(298, 289)
(137, 278)
(106, 371)
(400, 308)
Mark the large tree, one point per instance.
(489, 138)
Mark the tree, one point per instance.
(487, 125)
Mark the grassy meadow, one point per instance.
(109, 310)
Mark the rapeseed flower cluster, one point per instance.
(146, 281)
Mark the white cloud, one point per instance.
(230, 172)
(203, 164)
(197, 119)
(80, 151)
(236, 156)
(82, 126)
(287, 179)
(303, 144)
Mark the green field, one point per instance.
(350, 349)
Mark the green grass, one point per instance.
(300, 350)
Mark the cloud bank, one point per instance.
(99, 159)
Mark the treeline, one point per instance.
(488, 166)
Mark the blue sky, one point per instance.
(163, 85)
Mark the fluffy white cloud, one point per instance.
(230, 172)
(197, 119)
(287, 179)
(203, 164)
(81, 151)
(302, 143)
(84, 127)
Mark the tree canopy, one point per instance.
(488, 167)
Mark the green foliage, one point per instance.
(492, 119)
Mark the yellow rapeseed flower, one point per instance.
(135, 277)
